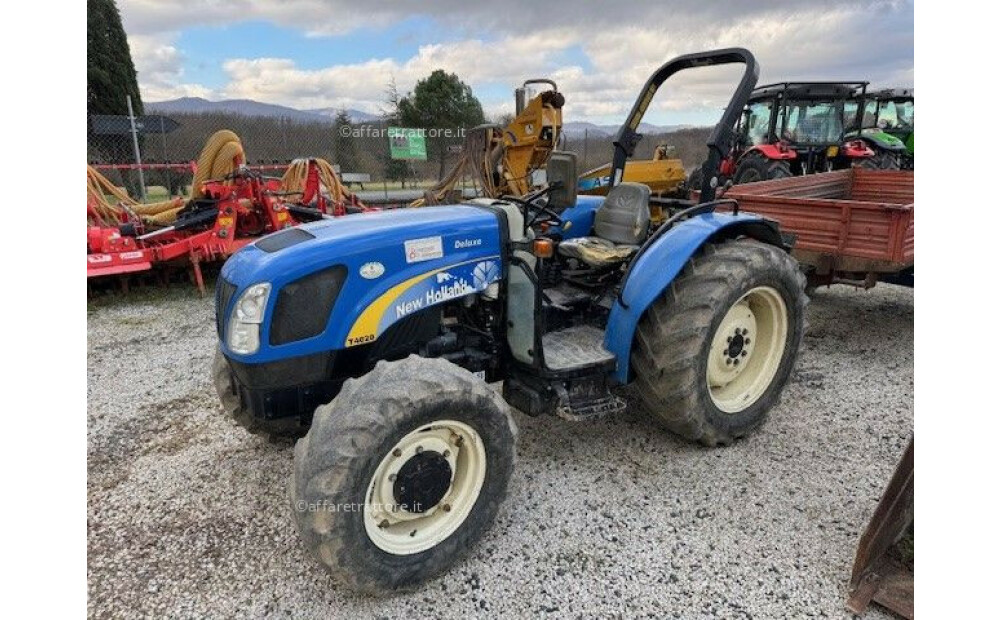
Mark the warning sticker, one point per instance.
(423, 249)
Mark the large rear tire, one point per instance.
(755, 167)
(713, 353)
(402, 473)
(883, 160)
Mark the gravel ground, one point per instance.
(187, 514)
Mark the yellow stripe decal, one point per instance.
(365, 328)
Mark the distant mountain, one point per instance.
(357, 116)
(577, 129)
(249, 107)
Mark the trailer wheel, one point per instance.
(233, 408)
(402, 473)
(713, 353)
(755, 167)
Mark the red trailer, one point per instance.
(851, 226)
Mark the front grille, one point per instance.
(303, 307)
(223, 293)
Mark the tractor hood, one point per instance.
(387, 265)
(881, 139)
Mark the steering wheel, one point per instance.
(539, 210)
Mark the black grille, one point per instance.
(284, 239)
(304, 306)
(223, 293)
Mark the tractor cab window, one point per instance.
(895, 115)
(758, 121)
(867, 118)
(814, 122)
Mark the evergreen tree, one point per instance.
(443, 101)
(110, 71)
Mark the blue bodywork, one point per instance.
(468, 261)
(653, 272)
(578, 220)
(458, 252)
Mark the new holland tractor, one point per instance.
(795, 128)
(377, 337)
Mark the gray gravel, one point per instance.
(187, 514)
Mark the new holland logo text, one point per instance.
(443, 292)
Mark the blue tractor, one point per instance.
(374, 338)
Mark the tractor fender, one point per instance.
(884, 141)
(655, 269)
(771, 151)
(857, 148)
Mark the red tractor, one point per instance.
(793, 128)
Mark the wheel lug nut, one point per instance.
(384, 523)
(446, 507)
(397, 452)
(746, 341)
(447, 453)
(419, 449)
(736, 362)
(729, 338)
(743, 353)
(744, 331)
(392, 477)
(729, 361)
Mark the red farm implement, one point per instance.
(230, 206)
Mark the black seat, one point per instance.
(620, 226)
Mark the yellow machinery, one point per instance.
(501, 160)
(664, 174)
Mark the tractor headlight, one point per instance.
(243, 334)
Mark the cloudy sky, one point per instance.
(332, 53)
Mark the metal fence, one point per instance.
(359, 150)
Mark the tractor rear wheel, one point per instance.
(883, 160)
(713, 353)
(402, 473)
(755, 167)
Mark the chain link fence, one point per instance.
(360, 151)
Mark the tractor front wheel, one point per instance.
(402, 473)
(755, 167)
(713, 353)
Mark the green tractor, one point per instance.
(886, 125)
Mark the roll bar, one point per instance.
(719, 142)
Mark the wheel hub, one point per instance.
(747, 349)
(425, 487)
(422, 482)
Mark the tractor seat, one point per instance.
(621, 224)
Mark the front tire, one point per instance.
(402, 473)
(713, 353)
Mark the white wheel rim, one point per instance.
(747, 349)
(400, 531)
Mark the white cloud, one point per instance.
(160, 70)
(621, 46)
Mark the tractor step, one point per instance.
(575, 348)
(586, 400)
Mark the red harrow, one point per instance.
(222, 215)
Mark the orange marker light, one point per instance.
(543, 248)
